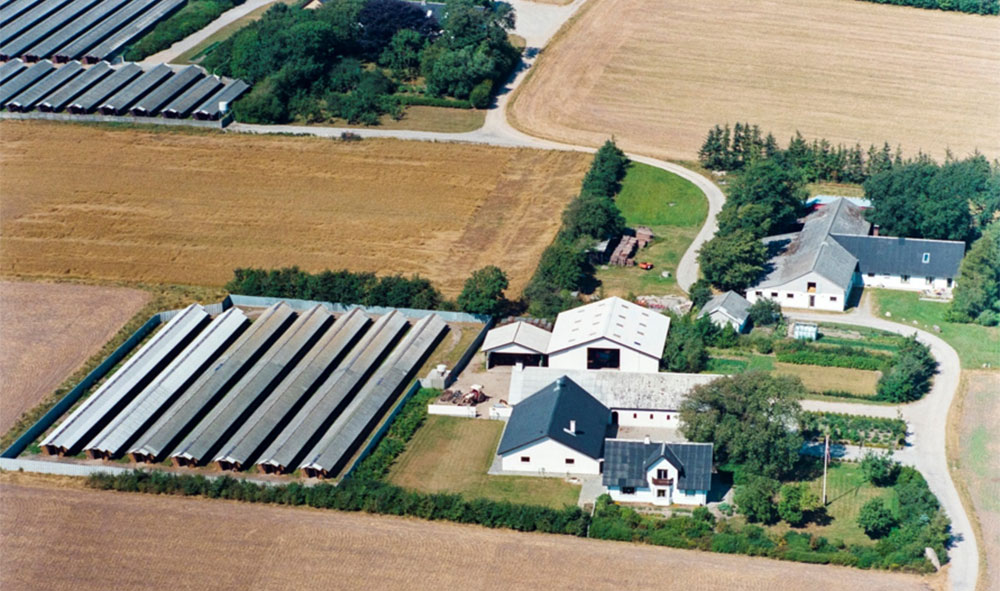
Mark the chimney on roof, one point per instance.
(560, 383)
(875, 230)
(647, 441)
(572, 426)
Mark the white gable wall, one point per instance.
(794, 294)
(651, 493)
(631, 360)
(549, 457)
(912, 284)
(720, 318)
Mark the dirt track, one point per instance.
(47, 330)
(189, 208)
(659, 73)
(61, 538)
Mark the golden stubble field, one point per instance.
(187, 208)
(659, 73)
(54, 536)
(47, 330)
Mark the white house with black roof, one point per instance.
(820, 265)
(559, 430)
(611, 334)
(657, 473)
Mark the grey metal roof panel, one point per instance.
(29, 19)
(212, 107)
(90, 100)
(293, 391)
(54, 81)
(75, 29)
(12, 10)
(44, 28)
(147, 406)
(547, 414)
(11, 69)
(626, 463)
(24, 81)
(325, 405)
(58, 100)
(905, 256)
(731, 303)
(213, 384)
(216, 428)
(366, 409)
(150, 104)
(125, 383)
(120, 102)
(132, 30)
(103, 30)
(183, 105)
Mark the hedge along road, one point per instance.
(927, 418)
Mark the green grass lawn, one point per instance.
(976, 345)
(847, 491)
(450, 454)
(675, 210)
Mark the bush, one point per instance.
(481, 93)
(876, 519)
(701, 292)
(908, 376)
(764, 345)
(987, 318)
(854, 429)
(842, 356)
(765, 312)
(754, 498)
(431, 101)
(879, 469)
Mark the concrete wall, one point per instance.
(549, 457)
(631, 360)
(450, 410)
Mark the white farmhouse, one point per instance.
(559, 430)
(609, 334)
(819, 266)
(727, 308)
(657, 473)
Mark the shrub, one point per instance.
(908, 376)
(481, 93)
(879, 469)
(988, 318)
(764, 345)
(765, 312)
(876, 519)
(701, 292)
(754, 498)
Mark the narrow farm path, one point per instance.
(927, 421)
(232, 15)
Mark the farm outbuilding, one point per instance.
(23, 81)
(213, 108)
(122, 100)
(90, 100)
(58, 100)
(47, 47)
(517, 342)
(151, 104)
(28, 99)
(727, 309)
(609, 334)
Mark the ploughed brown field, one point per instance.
(56, 536)
(187, 208)
(659, 73)
(47, 330)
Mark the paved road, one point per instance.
(171, 53)
(927, 421)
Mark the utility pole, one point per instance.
(826, 460)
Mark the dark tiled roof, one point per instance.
(626, 462)
(904, 256)
(547, 413)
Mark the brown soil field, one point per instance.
(976, 443)
(657, 74)
(821, 379)
(187, 208)
(47, 330)
(56, 537)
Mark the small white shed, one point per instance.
(517, 342)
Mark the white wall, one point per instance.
(630, 417)
(914, 283)
(549, 456)
(450, 410)
(631, 360)
(794, 294)
(721, 319)
(691, 497)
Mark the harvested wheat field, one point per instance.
(187, 208)
(61, 538)
(47, 330)
(659, 73)
(977, 443)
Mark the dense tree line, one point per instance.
(969, 6)
(590, 217)
(977, 294)
(348, 58)
(344, 287)
(908, 376)
(194, 16)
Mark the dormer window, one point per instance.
(927, 257)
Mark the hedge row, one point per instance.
(854, 430)
(355, 494)
(194, 16)
(799, 353)
(410, 417)
(430, 101)
(969, 6)
(898, 552)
